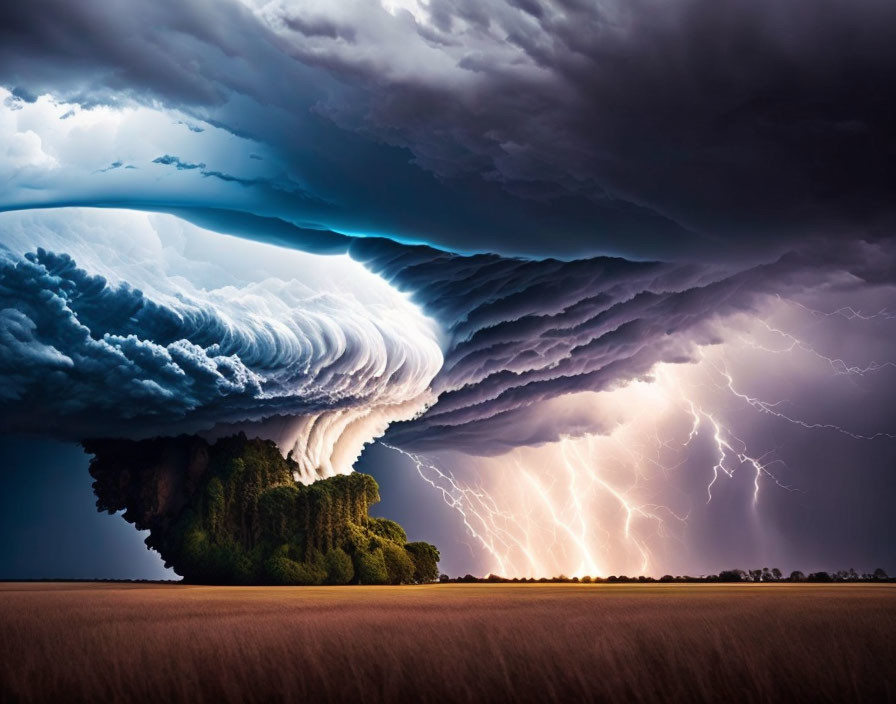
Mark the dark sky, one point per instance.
(550, 202)
(647, 129)
(49, 522)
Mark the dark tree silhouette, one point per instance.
(819, 577)
(732, 576)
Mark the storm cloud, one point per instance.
(459, 226)
(465, 351)
(524, 332)
(651, 130)
(85, 351)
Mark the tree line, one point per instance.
(734, 575)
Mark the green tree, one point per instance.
(370, 567)
(339, 567)
(215, 503)
(399, 565)
(387, 529)
(426, 561)
(241, 518)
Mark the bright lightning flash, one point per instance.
(611, 502)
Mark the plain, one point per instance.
(453, 642)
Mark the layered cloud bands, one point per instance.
(116, 322)
(121, 322)
(526, 332)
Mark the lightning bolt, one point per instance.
(560, 526)
(580, 504)
(771, 408)
(481, 516)
(838, 365)
(847, 312)
(731, 451)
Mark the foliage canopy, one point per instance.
(232, 513)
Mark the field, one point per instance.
(455, 642)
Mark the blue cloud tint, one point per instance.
(82, 355)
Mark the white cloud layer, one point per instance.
(123, 321)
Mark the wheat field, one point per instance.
(447, 643)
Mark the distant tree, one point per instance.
(586, 579)
(732, 576)
(667, 578)
(776, 574)
(797, 576)
(756, 575)
(444, 578)
(819, 577)
(879, 574)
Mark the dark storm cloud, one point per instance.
(524, 333)
(736, 120)
(184, 52)
(719, 130)
(79, 352)
(694, 128)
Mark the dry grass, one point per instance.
(464, 642)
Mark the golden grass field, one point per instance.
(455, 642)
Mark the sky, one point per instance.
(588, 287)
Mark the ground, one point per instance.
(452, 642)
